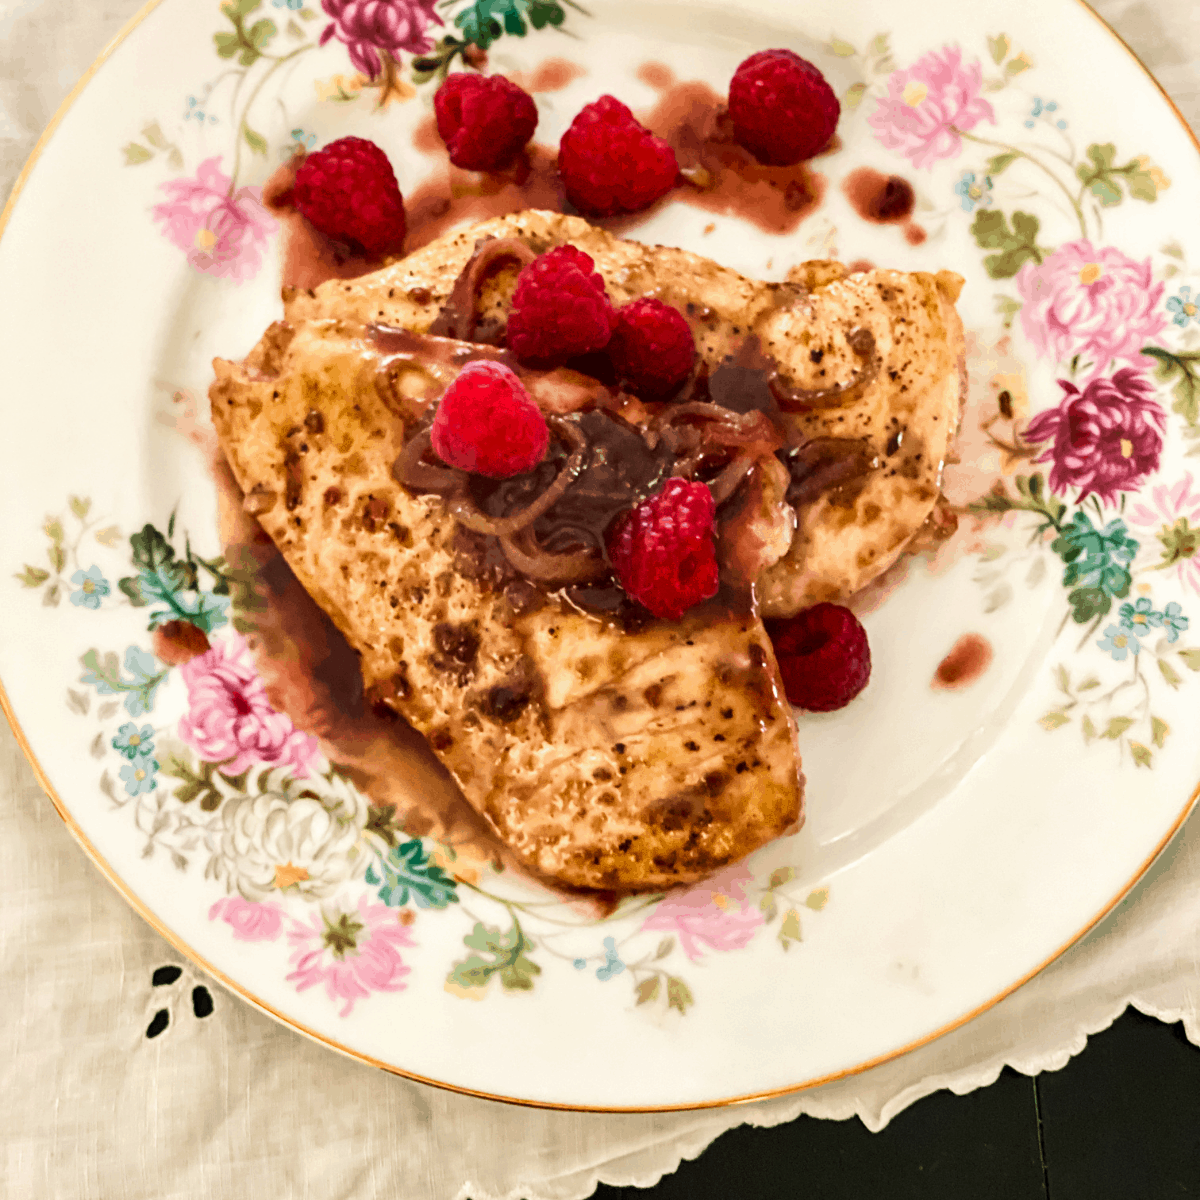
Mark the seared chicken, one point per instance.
(899, 423)
(603, 757)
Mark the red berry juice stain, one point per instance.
(719, 175)
(308, 256)
(313, 676)
(968, 659)
(884, 200)
(452, 196)
(550, 75)
(656, 75)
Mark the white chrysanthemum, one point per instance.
(282, 833)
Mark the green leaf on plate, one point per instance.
(1087, 603)
(408, 872)
(502, 954)
(999, 47)
(32, 577)
(1015, 244)
(841, 48)
(1089, 728)
(261, 32)
(1169, 673)
(1116, 726)
(780, 876)
(1141, 754)
(1054, 720)
(679, 995)
(664, 947)
(854, 95)
(1008, 308)
(817, 899)
(789, 931)
(254, 139)
(135, 154)
(648, 989)
(1192, 658)
(153, 133)
(1158, 731)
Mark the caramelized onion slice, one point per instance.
(418, 476)
(467, 513)
(705, 410)
(823, 464)
(730, 479)
(533, 562)
(792, 398)
(458, 317)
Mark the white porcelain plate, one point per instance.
(958, 837)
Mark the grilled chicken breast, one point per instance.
(603, 758)
(903, 417)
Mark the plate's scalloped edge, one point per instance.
(133, 900)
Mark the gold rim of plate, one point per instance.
(333, 1044)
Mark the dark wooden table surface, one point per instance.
(1120, 1122)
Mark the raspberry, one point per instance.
(782, 108)
(610, 163)
(487, 423)
(484, 120)
(348, 191)
(823, 655)
(652, 348)
(559, 308)
(663, 552)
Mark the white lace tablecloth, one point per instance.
(226, 1104)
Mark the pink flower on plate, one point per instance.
(229, 719)
(1091, 301)
(1172, 515)
(352, 953)
(1105, 439)
(369, 26)
(250, 922)
(223, 232)
(715, 913)
(929, 104)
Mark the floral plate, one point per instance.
(1026, 745)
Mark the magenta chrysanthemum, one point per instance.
(1105, 439)
(368, 27)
